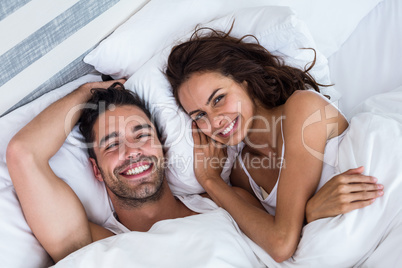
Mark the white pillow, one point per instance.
(277, 29)
(161, 22)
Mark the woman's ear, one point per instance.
(96, 170)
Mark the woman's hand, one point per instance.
(343, 193)
(209, 156)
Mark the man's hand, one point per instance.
(101, 84)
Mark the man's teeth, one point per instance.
(229, 128)
(137, 170)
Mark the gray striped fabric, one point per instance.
(9, 6)
(69, 73)
(45, 39)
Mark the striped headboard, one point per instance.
(43, 42)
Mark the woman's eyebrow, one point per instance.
(212, 96)
(208, 101)
(193, 112)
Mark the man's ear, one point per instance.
(96, 170)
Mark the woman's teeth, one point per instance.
(229, 128)
(137, 170)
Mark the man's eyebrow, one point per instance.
(139, 127)
(108, 136)
(208, 101)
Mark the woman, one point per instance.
(240, 94)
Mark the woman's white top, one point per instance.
(329, 169)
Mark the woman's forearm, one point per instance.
(261, 227)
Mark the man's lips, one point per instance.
(137, 169)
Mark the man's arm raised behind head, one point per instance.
(52, 210)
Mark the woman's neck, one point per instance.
(265, 130)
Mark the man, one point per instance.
(126, 154)
(128, 158)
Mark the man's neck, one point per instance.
(142, 218)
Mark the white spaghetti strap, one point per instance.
(282, 154)
(244, 167)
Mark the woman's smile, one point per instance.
(229, 130)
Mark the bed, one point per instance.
(52, 48)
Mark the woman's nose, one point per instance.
(218, 121)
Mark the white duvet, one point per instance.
(368, 237)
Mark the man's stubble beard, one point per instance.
(147, 191)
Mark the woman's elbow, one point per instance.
(283, 250)
(283, 255)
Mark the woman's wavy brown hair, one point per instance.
(269, 79)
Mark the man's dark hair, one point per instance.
(115, 95)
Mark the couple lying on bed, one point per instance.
(236, 93)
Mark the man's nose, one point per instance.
(132, 152)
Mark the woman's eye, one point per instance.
(217, 99)
(199, 116)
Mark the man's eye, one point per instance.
(112, 145)
(143, 135)
(199, 116)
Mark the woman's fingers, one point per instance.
(362, 196)
(356, 205)
(195, 133)
(356, 178)
(359, 187)
(199, 137)
(357, 170)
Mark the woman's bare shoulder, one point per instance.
(305, 103)
(306, 99)
(308, 108)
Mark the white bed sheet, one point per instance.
(369, 62)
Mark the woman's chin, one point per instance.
(230, 141)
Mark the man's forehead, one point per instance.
(121, 119)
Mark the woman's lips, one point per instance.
(230, 128)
